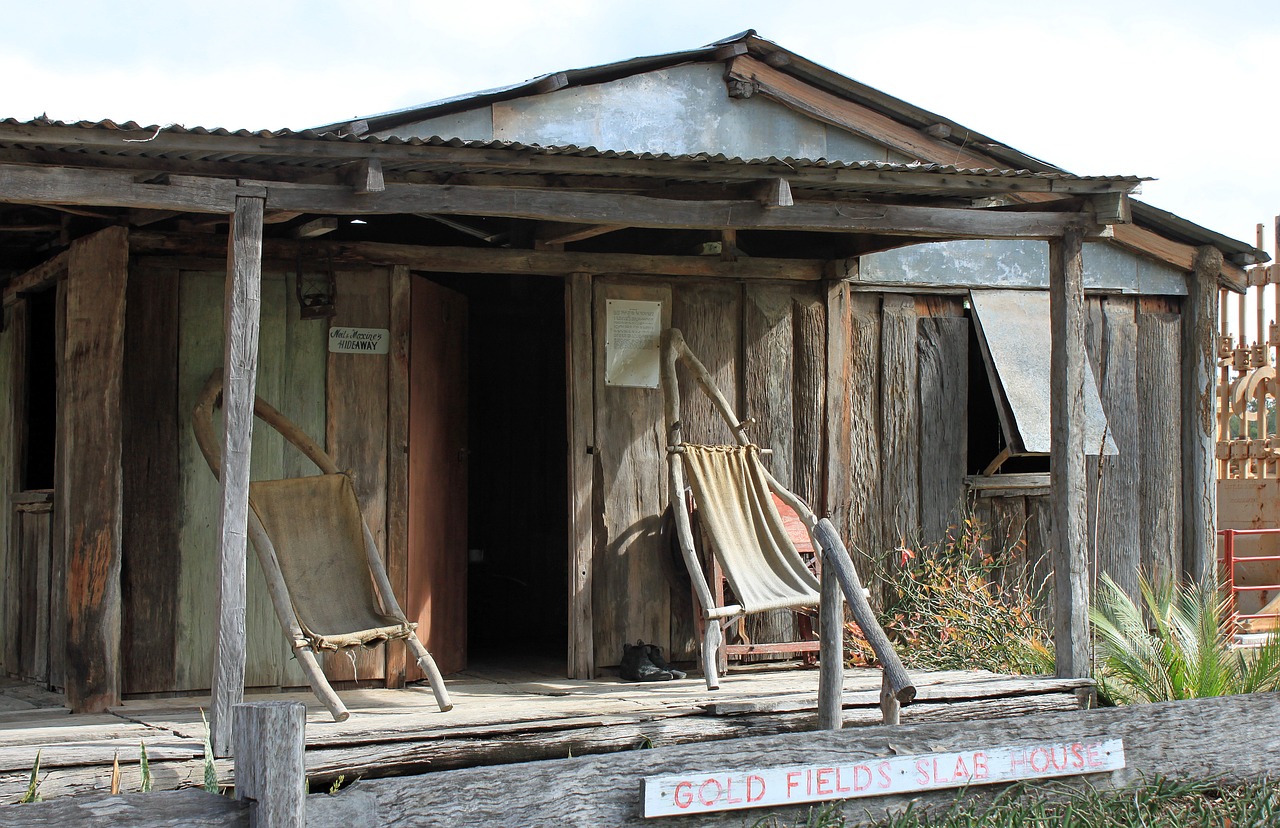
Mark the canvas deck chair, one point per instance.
(323, 571)
(742, 528)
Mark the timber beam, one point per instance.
(670, 214)
(284, 253)
(566, 232)
(62, 185)
(37, 278)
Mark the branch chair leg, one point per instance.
(320, 685)
(428, 665)
(889, 704)
(711, 653)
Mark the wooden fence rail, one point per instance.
(1233, 739)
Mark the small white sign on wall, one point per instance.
(697, 793)
(632, 339)
(359, 341)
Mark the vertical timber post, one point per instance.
(831, 654)
(1067, 464)
(270, 767)
(580, 382)
(1199, 356)
(90, 478)
(241, 317)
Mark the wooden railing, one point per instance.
(1248, 444)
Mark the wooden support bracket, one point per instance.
(366, 176)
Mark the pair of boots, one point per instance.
(644, 662)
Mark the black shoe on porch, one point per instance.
(637, 666)
(655, 655)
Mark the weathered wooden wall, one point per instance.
(175, 341)
(909, 389)
(1135, 497)
(764, 345)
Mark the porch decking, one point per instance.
(502, 715)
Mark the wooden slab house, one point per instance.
(448, 299)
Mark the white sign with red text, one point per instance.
(769, 787)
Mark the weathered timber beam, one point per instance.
(113, 188)
(794, 93)
(37, 278)
(283, 252)
(1068, 374)
(776, 192)
(1179, 740)
(643, 211)
(240, 371)
(366, 176)
(1182, 256)
(1112, 208)
(564, 232)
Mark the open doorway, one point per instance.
(517, 534)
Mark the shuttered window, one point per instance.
(1013, 334)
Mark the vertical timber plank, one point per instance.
(581, 431)
(356, 428)
(899, 423)
(1160, 478)
(305, 364)
(630, 595)
(11, 363)
(1094, 336)
(1039, 537)
(264, 657)
(709, 315)
(200, 347)
(398, 460)
(241, 319)
(809, 325)
(151, 512)
(853, 396)
(90, 482)
(944, 432)
(1199, 355)
(1118, 535)
(1068, 361)
(768, 378)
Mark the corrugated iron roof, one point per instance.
(146, 147)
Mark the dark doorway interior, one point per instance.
(517, 526)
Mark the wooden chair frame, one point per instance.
(207, 403)
(837, 570)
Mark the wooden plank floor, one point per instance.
(501, 715)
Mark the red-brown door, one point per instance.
(438, 473)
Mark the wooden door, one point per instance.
(437, 566)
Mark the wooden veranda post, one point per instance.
(1199, 364)
(270, 767)
(1067, 465)
(241, 314)
(581, 425)
(90, 478)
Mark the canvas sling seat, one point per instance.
(742, 528)
(741, 523)
(323, 569)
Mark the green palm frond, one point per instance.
(1174, 644)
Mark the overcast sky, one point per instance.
(1183, 91)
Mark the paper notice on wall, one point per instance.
(633, 333)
